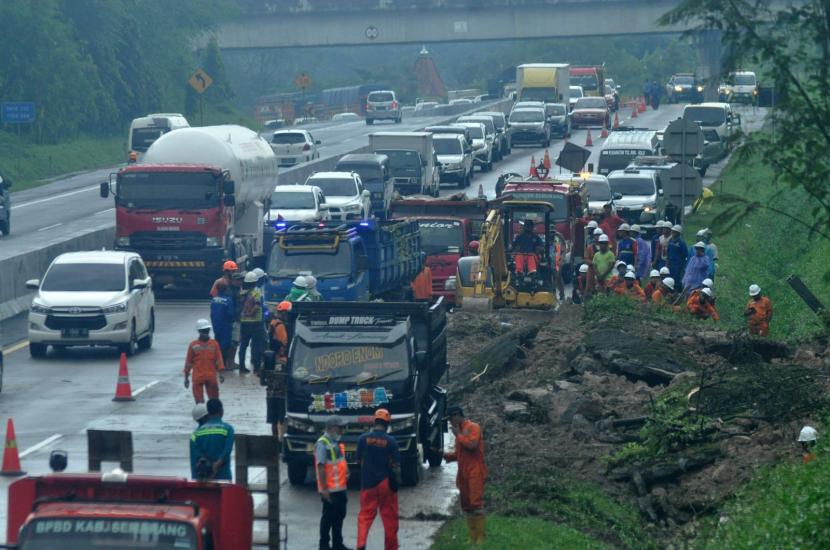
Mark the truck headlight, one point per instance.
(700, 88)
(115, 308)
(122, 241)
(755, 91)
(678, 88)
(213, 241)
(647, 209)
(38, 308)
(300, 425)
(450, 283)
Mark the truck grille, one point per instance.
(167, 240)
(90, 321)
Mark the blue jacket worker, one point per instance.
(211, 446)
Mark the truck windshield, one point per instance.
(285, 263)
(598, 191)
(632, 186)
(618, 159)
(745, 80)
(77, 533)
(84, 278)
(684, 80)
(447, 146)
(548, 95)
(168, 190)
(587, 81)
(403, 162)
(350, 363)
(708, 116)
(441, 236)
(143, 138)
(294, 200)
(341, 187)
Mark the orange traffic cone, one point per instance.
(546, 160)
(642, 107)
(616, 122)
(533, 171)
(604, 133)
(123, 391)
(11, 457)
(634, 112)
(588, 141)
(481, 194)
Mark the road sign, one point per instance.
(682, 184)
(200, 81)
(372, 32)
(573, 157)
(302, 81)
(683, 137)
(17, 112)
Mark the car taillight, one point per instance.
(306, 147)
(367, 106)
(394, 104)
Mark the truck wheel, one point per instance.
(410, 471)
(5, 228)
(369, 122)
(37, 351)
(296, 473)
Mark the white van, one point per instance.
(147, 129)
(624, 145)
(714, 116)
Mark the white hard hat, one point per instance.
(598, 231)
(754, 290)
(583, 268)
(311, 281)
(635, 228)
(707, 291)
(624, 227)
(199, 412)
(664, 270)
(629, 267)
(662, 223)
(808, 433)
(603, 238)
(678, 228)
(618, 263)
(630, 275)
(258, 272)
(707, 282)
(301, 282)
(700, 244)
(592, 224)
(701, 233)
(654, 273)
(250, 277)
(203, 324)
(669, 282)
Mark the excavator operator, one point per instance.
(525, 249)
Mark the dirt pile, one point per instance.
(659, 413)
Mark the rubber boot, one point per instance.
(471, 528)
(480, 529)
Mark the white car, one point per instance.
(100, 298)
(576, 93)
(345, 196)
(482, 147)
(345, 117)
(294, 146)
(297, 203)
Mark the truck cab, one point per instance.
(350, 359)
(5, 206)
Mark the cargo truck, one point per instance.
(352, 261)
(592, 80)
(351, 359)
(546, 82)
(119, 510)
(198, 199)
(412, 161)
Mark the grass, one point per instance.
(764, 248)
(509, 533)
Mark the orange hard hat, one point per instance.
(230, 265)
(474, 245)
(285, 305)
(383, 414)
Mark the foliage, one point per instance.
(507, 533)
(793, 45)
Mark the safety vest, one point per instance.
(337, 470)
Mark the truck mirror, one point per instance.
(229, 187)
(33, 284)
(104, 189)
(617, 196)
(229, 200)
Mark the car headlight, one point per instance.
(700, 88)
(450, 283)
(728, 91)
(39, 308)
(122, 241)
(647, 209)
(755, 91)
(115, 308)
(678, 88)
(300, 425)
(400, 425)
(213, 241)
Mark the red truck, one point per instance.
(447, 227)
(119, 510)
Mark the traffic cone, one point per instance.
(533, 171)
(11, 457)
(616, 122)
(604, 133)
(546, 160)
(642, 107)
(634, 112)
(481, 194)
(588, 141)
(123, 391)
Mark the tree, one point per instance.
(220, 91)
(793, 46)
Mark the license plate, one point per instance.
(75, 333)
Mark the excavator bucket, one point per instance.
(478, 304)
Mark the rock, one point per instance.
(688, 340)
(564, 385)
(590, 408)
(585, 363)
(531, 396)
(517, 411)
(582, 428)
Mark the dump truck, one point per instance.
(546, 82)
(120, 510)
(352, 358)
(352, 261)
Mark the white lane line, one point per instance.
(48, 227)
(53, 197)
(42, 444)
(104, 211)
(17, 346)
(143, 389)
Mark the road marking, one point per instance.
(48, 227)
(18, 346)
(142, 389)
(62, 195)
(42, 444)
(104, 211)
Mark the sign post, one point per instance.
(200, 81)
(303, 81)
(683, 138)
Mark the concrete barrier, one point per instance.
(15, 271)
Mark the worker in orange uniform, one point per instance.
(204, 360)
(422, 286)
(758, 312)
(472, 471)
(228, 269)
(275, 394)
(631, 287)
(380, 477)
(807, 437)
(653, 284)
(703, 308)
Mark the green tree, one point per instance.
(220, 91)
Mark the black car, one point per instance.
(684, 87)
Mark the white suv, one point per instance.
(101, 298)
(294, 146)
(345, 196)
(382, 105)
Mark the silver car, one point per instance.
(383, 105)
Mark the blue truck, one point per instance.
(352, 261)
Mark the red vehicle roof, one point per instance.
(538, 185)
(169, 512)
(583, 70)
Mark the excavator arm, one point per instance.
(493, 259)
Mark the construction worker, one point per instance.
(758, 312)
(660, 244)
(653, 284)
(204, 360)
(557, 255)
(275, 393)
(664, 295)
(631, 288)
(626, 246)
(807, 437)
(222, 318)
(211, 445)
(603, 263)
(617, 281)
(702, 307)
(525, 248)
(299, 290)
(251, 327)
(643, 260)
(132, 158)
(610, 224)
(332, 476)
(697, 268)
(472, 471)
(581, 289)
(705, 236)
(676, 253)
(313, 294)
(200, 413)
(422, 286)
(228, 269)
(380, 477)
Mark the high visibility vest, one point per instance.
(337, 471)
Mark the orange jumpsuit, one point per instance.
(758, 315)
(278, 337)
(650, 289)
(660, 297)
(204, 359)
(472, 471)
(634, 292)
(422, 286)
(700, 309)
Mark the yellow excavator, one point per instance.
(501, 276)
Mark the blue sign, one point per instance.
(17, 112)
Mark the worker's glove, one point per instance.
(395, 479)
(186, 382)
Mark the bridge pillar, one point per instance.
(710, 60)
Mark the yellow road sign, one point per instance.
(200, 81)
(302, 81)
